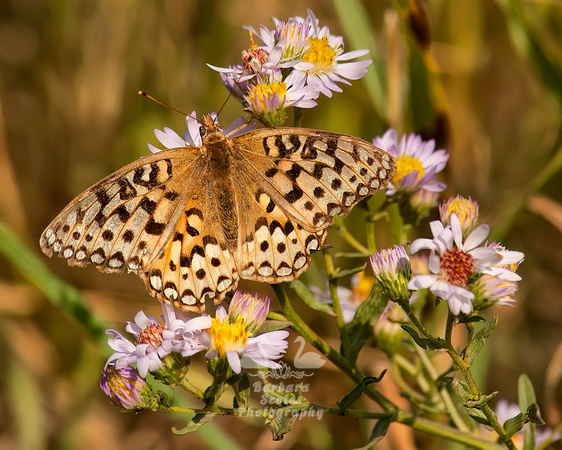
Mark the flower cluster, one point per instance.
(164, 347)
(461, 270)
(417, 164)
(296, 62)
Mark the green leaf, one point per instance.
(279, 425)
(306, 296)
(526, 392)
(243, 390)
(379, 432)
(513, 425)
(347, 273)
(353, 395)
(471, 319)
(424, 343)
(478, 415)
(361, 327)
(479, 340)
(273, 325)
(195, 423)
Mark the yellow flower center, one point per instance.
(463, 208)
(320, 54)
(265, 91)
(228, 336)
(406, 165)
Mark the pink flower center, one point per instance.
(151, 335)
(456, 267)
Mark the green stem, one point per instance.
(186, 385)
(443, 392)
(333, 286)
(350, 239)
(337, 359)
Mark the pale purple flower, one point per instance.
(393, 271)
(417, 162)
(272, 94)
(452, 262)
(155, 341)
(230, 337)
(466, 210)
(124, 387)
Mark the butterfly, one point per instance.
(193, 221)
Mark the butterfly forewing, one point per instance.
(193, 221)
(316, 174)
(123, 222)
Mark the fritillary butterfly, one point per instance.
(192, 221)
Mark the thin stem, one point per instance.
(186, 385)
(337, 359)
(332, 284)
(350, 239)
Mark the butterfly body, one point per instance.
(192, 221)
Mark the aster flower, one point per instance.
(269, 98)
(490, 290)
(251, 308)
(125, 388)
(393, 271)
(192, 137)
(315, 57)
(465, 209)
(155, 341)
(417, 162)
(452, 262)
(231, 337)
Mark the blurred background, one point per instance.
(483, 78)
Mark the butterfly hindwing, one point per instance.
(195, 261)
(272, 247)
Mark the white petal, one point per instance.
(510, 257)
(421, 282)
(436, 228)
(434, 263)
(420, 244)
(234, 361)
(478, 235)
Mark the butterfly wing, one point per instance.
(290, 183)
(272, 247)
(123, 222)
(313, 175)
(196, 261)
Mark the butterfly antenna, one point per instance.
(144, 94)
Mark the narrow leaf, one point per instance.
(195, 423)
(353, 395)
(424, 343)
(513, 425)
(379, 432)
(367, 314)
(479, 340)
(306, 296)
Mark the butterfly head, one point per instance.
(210, 130)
